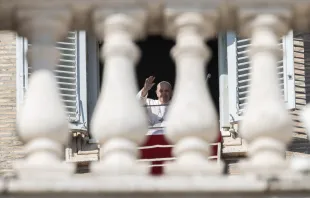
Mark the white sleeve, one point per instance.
(144, 100)
(141, 98)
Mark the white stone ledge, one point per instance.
(82, 10)
(175, 187)
(95, 184)
(157, 195)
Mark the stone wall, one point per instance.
(10, 146)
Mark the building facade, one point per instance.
(79, 78)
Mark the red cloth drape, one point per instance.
(153, 153)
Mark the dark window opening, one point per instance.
(156, 61)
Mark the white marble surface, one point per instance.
(93, 184)
(141, 186)
(2, 185)
(167, 186)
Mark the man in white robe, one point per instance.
(156, 109)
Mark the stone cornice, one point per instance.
(295, 11)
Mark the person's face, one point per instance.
(163, 93)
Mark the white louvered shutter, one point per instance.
(239, 73)
(71, 77)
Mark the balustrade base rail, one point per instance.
(119, 122)
(142, 186)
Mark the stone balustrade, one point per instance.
(119, 122)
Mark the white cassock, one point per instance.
(156, 114)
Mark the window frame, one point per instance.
(87, 77)
(223, 84)
(231, 64)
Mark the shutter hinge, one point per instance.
(290, 77)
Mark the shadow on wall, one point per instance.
(300, 144)
(306, 41)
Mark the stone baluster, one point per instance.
(119, 121)
(42, 121)
(192, 122)
(266, 123)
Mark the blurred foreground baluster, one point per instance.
(192, 122)
(266, 124)
(42, 122)
(119, 122)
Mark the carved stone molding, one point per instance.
(30, 22)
